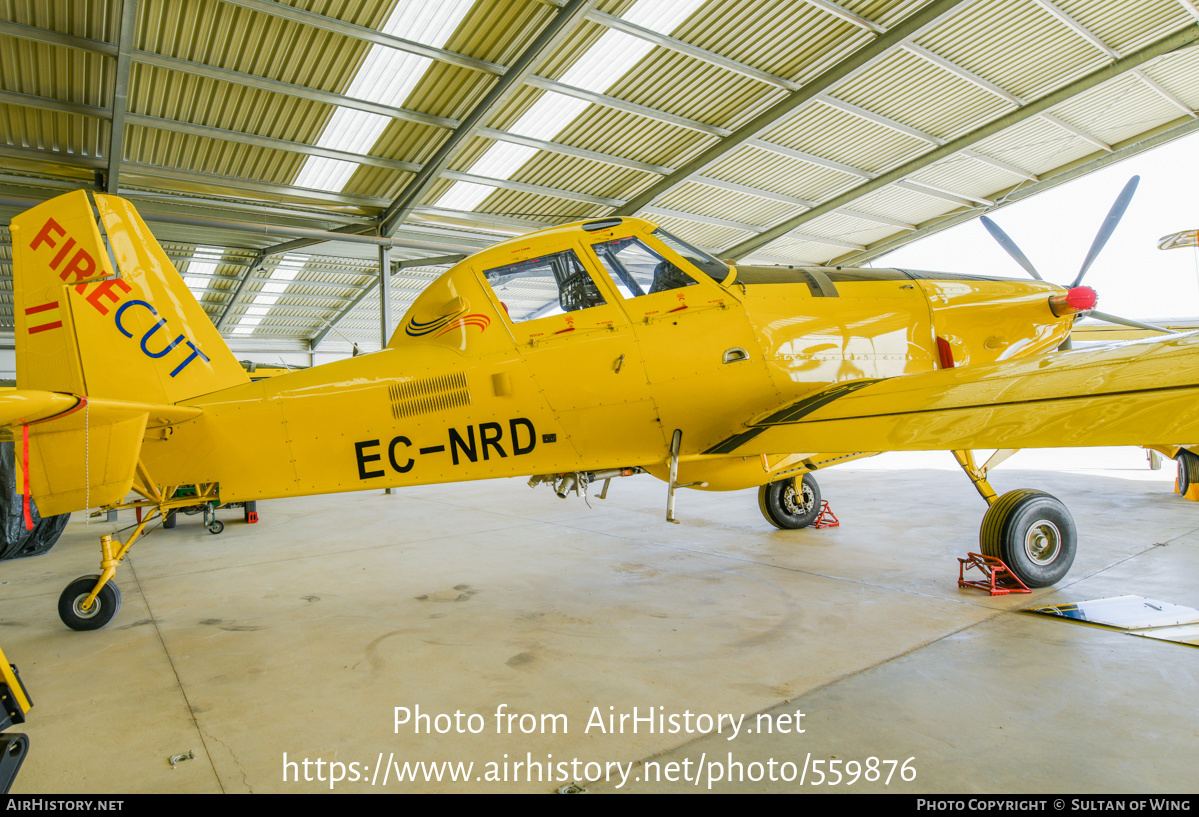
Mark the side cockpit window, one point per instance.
(637, 270)
(540, 287)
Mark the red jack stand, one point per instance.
(827, 518)
(1000, 578)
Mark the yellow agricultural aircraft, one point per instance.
(574, 354)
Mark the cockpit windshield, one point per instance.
(716, 270)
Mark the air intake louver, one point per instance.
(429, 395)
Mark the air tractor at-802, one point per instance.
(576, 353)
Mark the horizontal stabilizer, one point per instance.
(24, 406)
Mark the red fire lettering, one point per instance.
(43, 235)
(81, 266)
(104, 289)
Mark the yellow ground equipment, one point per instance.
(16, 703)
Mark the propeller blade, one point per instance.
(1109, 226)
(1010, 247)
(1103, 316)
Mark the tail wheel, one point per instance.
(1034, 535)
(790, 503)
(102, 610)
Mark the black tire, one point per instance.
(1188, 470)
(1034, 535)
(249, 508)
(15, 541)
(103, 610)
(169, 520)
(790, 504)
(216, 527)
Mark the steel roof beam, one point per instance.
(847, 15)
(1001, 165)
(177, 126)
(631, 107)
(45, 35)
(226, 75)
(918, 22)
(943, 194)
(245, 277)
(525, 187)
(702, 54)
(372, 35)
(255, 186)
(1157, 88)
(1037, 107)
(554, 32)
(51, 157)
(962, 73)
(348, 308)
(878, 119)
(809, 158)
(1162, 136)
(290, 89)
(120, 96)
(47, 104)
(738, 225)
(1077, 27)
(1079, 132)
(568, 150)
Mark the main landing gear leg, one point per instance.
(1031, 531)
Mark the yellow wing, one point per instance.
(1121, 394)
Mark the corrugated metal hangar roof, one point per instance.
(275, 146)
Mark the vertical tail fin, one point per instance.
(133, 333)
(116, 327)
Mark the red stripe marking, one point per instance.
(33, 310)
(25, 477)
(45, 326)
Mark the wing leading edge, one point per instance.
(1121, 394)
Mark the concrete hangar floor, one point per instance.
(297, 639)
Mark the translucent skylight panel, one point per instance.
(202, 262)
(597, 70)
(319, 173)
(289, 267)
(386, 76)
(549, 115)
(352, 130)
(464, 196)
(502, 159)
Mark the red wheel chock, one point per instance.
(1000, 579)
(252, 517)
(827, 518)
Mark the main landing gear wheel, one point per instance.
(106, 605)
(790, 503)
(1188, 470)
(1034, 535)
